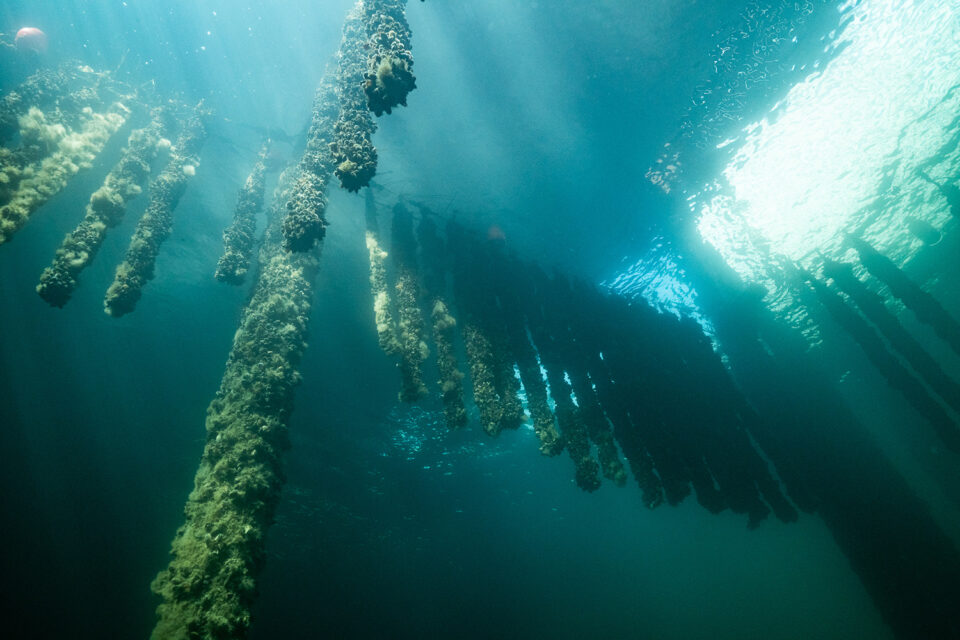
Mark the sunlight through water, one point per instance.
(856, 147)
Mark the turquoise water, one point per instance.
(703, 159)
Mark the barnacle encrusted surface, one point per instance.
(389, 76)
(354, 156)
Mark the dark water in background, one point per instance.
(542, 118)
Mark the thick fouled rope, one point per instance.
(354, 156)
(209, 587)
(70, 152)
(304, 223)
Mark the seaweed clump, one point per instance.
(389, 76)
(105, 209)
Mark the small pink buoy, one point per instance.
(31, 39)
(496, 234)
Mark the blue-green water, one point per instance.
(789, 125)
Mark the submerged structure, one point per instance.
(495, 342)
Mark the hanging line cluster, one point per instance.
(55, 125)
(105, 209)
(590, 373)
(209, 587)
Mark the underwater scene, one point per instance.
(494, 319)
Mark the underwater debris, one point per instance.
(105, 210)
(209, 587)
(389, 76)
(354, 155)
(157, 222)
(238, 239)
(72, 151)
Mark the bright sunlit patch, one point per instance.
(841, 152)
(659, 279)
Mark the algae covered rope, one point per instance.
(157, 221)
(52, 111)
(105, 209)
(72, 151)
(482, 365)
(444, 323)
(238, 238)
(379, 285)
(513, 287)
(210, 585)
(304, 224)
(479, 350)
(354, 156)
(410, 334)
